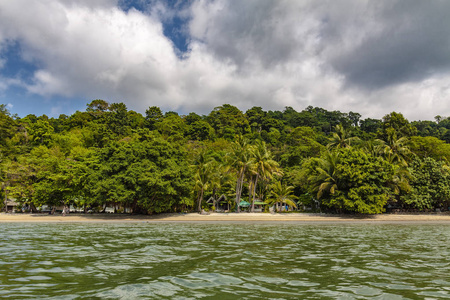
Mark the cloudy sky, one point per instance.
(371, 57)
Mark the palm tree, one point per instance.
(203, 175)
(400, 180)
(264, 167)
(240, 160)
(325, 177)
(395, 150)
(341, 138)
(373, 147)
(219, 178)
(280, 194)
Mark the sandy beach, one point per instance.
(224, 217)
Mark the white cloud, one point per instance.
(247, 53)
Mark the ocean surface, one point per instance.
(224, 261)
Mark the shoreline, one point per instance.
(226, 217)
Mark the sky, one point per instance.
(370, 57)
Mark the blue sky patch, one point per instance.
(15, 66)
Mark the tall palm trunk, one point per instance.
(239, 184)
(254, 192)
(238, 193)
(214, 198)
(6, 201)
(200, 199)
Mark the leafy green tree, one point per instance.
(427, 128)
(98, 109)
(172, 126)
(273, 137)
(350, 180)
(430, 185)
(152, 116)
(192, 118)
(397, 123)
(135, 120)
(40, 178)
(145, 172)
(41, 132)
(301, 143)
(97, 106)
(255, 117)
(371, 125)
(79, 120)
(18, 177)
(200, 130)
(118, 119)
(429, 147)
(97, 135)
(7, 125)
(354, 118)
(228, 121)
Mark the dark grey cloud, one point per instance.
(267, 32)
(412, 44)
(373, 44)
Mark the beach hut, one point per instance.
(244, 204)
(220, 204)
(259, 206)
(11, 205)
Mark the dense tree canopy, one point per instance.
(110, 156)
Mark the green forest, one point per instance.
(312, 160)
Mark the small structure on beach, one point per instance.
(220, 204)
(259, 206)
(244, 205)
(11, 205)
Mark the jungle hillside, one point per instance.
(309, 160)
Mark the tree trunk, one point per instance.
(200, 199)
(134, 206)
(214, 198)
(254, 192)
(238, 195)
(33, 208)
(241, 184)
(6, 201)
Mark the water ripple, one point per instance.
(227, 261)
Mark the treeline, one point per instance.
(163, 162)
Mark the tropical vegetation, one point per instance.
(313, 160)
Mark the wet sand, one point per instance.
(225, 217)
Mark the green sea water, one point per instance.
(224, 261)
